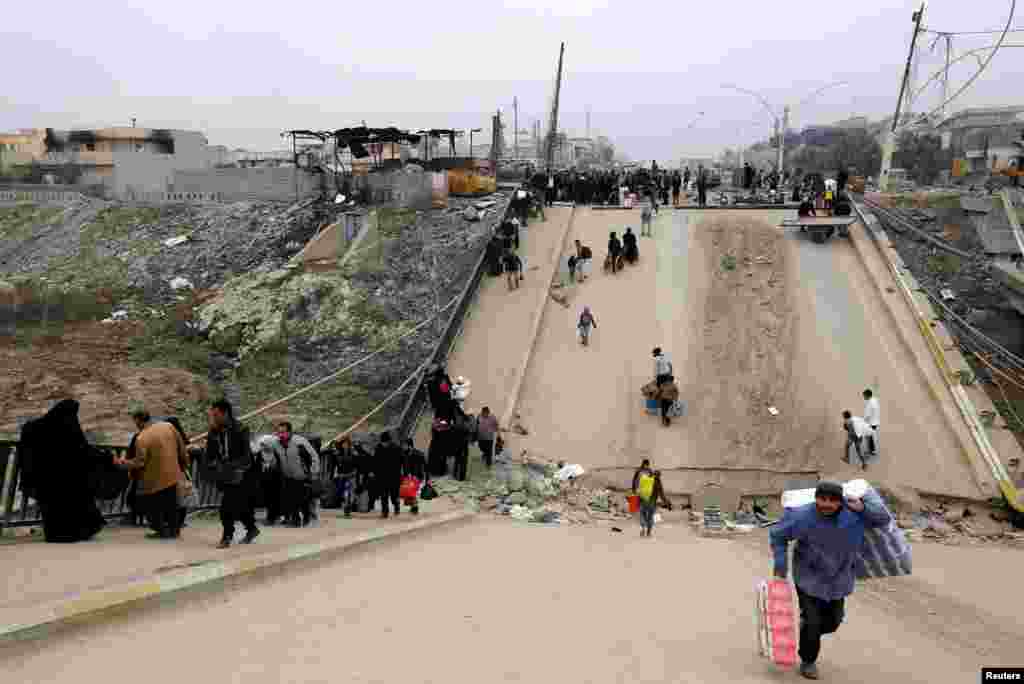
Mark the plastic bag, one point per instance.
(428, 492)
(408, 488)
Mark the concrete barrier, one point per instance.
(940, 345)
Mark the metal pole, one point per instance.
(515, 110)
(890, 139)
(554, 113)
(8, 493)
(945, 75)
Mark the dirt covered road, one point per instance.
(754, 318)
(497, 601)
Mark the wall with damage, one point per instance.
(234, 185)
(405, 188)
(139, 172)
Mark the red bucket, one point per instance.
(634, 503)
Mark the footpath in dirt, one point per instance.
(771, 336)
(606, 607)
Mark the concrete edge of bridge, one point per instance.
(877, 235)
(538, 320)
(95, 606)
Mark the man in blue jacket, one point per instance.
(829, 534)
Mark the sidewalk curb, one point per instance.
(538, 318)
(95, 605)
(983, 478)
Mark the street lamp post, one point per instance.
(782, 123)
(471, 132)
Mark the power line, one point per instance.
(970, 33)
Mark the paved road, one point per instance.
(582, 404)
(498, 601)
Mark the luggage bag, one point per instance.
(776, 620)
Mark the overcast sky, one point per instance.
(245, 71)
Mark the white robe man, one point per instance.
(872, 416)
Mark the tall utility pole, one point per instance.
(890, 137)
(515, 121)
(553, 132)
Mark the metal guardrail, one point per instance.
(417, 401)
(19, 510)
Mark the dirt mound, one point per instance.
(88, 362)
(757, 408)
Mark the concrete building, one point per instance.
(984, 138)
(120, 159)
(21, 147)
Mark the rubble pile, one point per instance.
(531, 491)
(958, 525)
(159, 253)
(227, 277)
(970, 280)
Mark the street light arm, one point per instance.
(757, 95)
(819, 91)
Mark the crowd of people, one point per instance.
(285, 473)
(453, 430)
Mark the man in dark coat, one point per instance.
(229, 456)
(58, 469)
(387, 468)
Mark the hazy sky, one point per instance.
(245, 71)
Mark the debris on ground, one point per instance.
(533, 491)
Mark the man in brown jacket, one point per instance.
(160, 459)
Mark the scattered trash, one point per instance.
(175, 241)
(616, 529)
(772, 410)
(569, 472)
(180, 283)
(471, 214)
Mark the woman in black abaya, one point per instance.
(58, 469)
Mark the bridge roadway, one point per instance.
(809, 349)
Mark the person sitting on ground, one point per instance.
(614, 251)
(513, 269)
(586, 321)
(629, 246)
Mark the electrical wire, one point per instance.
(335, 374)
(981, 70)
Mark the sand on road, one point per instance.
(498, 601)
